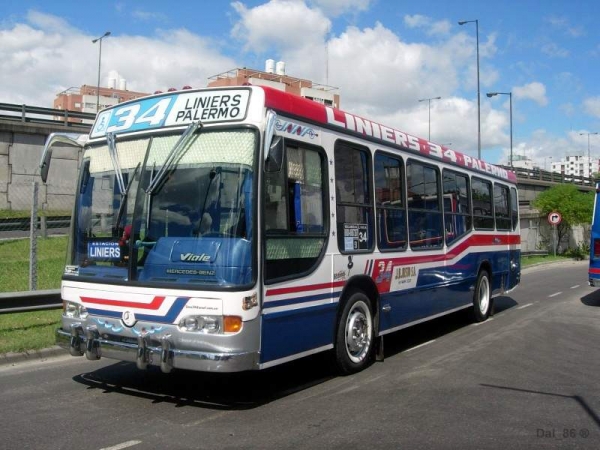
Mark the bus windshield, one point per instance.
(181, 217)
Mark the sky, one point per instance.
(386, 57)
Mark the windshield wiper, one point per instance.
(173, 156)
(112, 151)
(124, 197)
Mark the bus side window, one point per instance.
(389, 199)
(425, 220)
(295, 231)
(457, 208)
(483, 216)
(354, 201)
(514, 208)
(502, 207)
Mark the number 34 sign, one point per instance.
(554, 218)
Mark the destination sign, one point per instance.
(173, 109)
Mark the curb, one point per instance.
(31, 355)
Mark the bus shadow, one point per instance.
(403, 340)
(219, 391)
(248, 390)
(592, 299)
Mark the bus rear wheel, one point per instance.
(354, 343)
(482, 297)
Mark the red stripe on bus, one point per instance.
(473, 241)
(154, 305)
(312, 287)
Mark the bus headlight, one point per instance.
(74, 310)
(202, 324)
(211, 324)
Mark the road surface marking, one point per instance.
(575, 287)
(489, 319)
(555, 294)
(420, 345)
(525, 306)
(122, 445)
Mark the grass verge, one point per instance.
(531, 260)
(33, 330)
(14, 263)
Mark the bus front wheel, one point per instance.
(482, 297)
(354, 343)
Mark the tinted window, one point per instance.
(391, 213)
(501, 207)
(295, 228)
(425, 222)
(354, 209)
(483, 216)
(457, 208)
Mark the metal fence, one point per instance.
(35, 214)
(50, 116)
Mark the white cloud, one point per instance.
(431, 27)
(280, 24)
(592, 106)
(533, 91)
(554, 50)
(336, 8)
(562, 24)
(48, 56)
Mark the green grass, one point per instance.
(21, 214)
(14, 263)
(28, 331)
(530, 260)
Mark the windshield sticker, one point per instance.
(173, 109)
(355, 236)
(104, 251)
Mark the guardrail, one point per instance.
(552, 177)
(31, 114)
(24, 223)
(13, 302)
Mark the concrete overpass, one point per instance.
(23, 131)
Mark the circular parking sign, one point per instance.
(554, 218)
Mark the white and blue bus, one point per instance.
(594, 265)
(231, 229)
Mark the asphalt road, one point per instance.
(526, 378)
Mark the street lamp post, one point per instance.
(476, 21)
(491, 94)
(428, 100)
(99, 61)
(546, 161)
(589, 157)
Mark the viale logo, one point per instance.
(191, 257)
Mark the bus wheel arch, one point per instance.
(356, 326)
(482, 293)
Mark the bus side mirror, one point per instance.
(53, 138)
(275, 156)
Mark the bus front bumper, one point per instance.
(150, 352)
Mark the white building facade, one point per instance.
(577, 165)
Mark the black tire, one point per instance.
(482, 297)
(355, 335)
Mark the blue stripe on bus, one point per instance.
(291, 332)
(300, 300)
(170, 317)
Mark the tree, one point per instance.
(574, 206)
